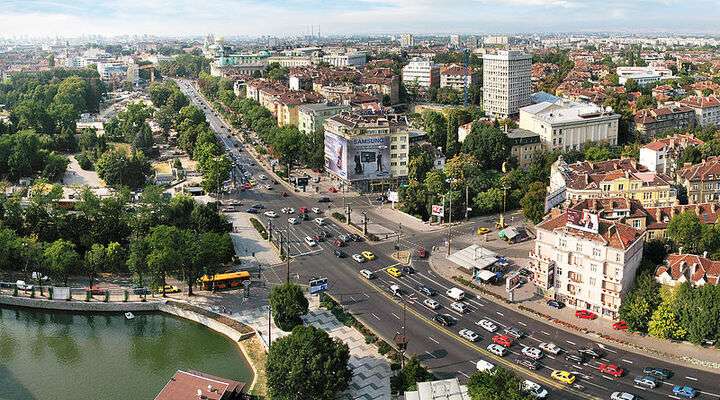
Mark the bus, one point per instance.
(227, 280)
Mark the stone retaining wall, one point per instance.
(79, 306)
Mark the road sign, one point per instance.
(318, 285)
(438, 211)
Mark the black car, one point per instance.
(408, 270)
(661, 373)
(575, 358)
(443, 319)
(355, 238)
(324, 200)
(274, 182)
(340, 254)
(593, 352)
(258, 206)
(532, 365)
(428, 291)
(514, 332)
(251, 210)
(555, 304)
(141, 291)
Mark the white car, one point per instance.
(271, 214)
(532, 352)
(469, 335)
(310, 241)
(485, 366)
(534, 389)
(459, 307)
(550, 348)
(487, 325)
(358, 257)
(497, 349)
(367, 273)
(293, 221)
(431, 304)
(262, 177)
(320, 221)
(622, 396)
(316, 210)
(288, 210)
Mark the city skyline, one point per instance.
(292, 18)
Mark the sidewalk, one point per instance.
(533, 305)
(388, 215)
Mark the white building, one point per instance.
(506, 82)
(420, 72)
(349, 59)
(642, 75)
(707, 109)
(407, 40)
(661, 155)
(568, 125)
(457, 77)
(311, 117)
(447, 389)
(588, 265)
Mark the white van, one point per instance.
(396, 291)
(455, 294)
(485, 366)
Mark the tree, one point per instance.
(664, 323)
(436, 128)
(419, 165)
(498, 384)
(489, 202)
(409, 376)
(137, 261)
(61, 259)
(95, 261)
(640, 302)
(288, 304)
(533, 202)
(489, 145)
(167, 249)
(307, 364)
(452, 145)
(684, 230)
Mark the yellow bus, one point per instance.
(224, 281)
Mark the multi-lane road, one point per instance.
(439, 347)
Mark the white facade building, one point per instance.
(568, 125)
(407, 40)
(642, 75)
(707, 109)
(420, 72)
(506, 82)
(350, 59)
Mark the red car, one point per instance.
(611, 369)
(302, 210)
(332, 190)
(421, 252)
(338, 243)
(502, 340)
(585, 314)
(620, 326)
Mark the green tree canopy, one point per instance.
(288, 304)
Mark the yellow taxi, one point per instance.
(482, 230)
(563, 376)
(368, 255)
(169, 289)
(392, 271)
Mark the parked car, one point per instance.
(555, 304)
(563, 376)
(532, 352)
(484, 366)
(532, 365)
(534, 389)
(585, 314)
(339, 254)
(487, 325)
(358, 258)
(646, 381)
(369, 255)
(622, 396)
(293, 221)
(611, 369)
(444, 319)
(687, 392)
(550, 347)
(469, 335)
(426, 290)
(431, 304)
(502, 340)
(140, 291)
(316, 210)
(169, 289)
(497, 349)
(271, 214)
(320, 221)
(310, 241)
(96, 291)
(21, 285)
(324, 200)
(620, 326)
(660, 373)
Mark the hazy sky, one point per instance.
(291, 17)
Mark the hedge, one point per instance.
(259, 227)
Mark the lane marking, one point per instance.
(691, 378)
(376, 317)
(435, 341)
(499, 313)
(627, 361)
(569, 342)
(430, 354)
(394, 315)
(463, 374)
(545, 333)
(522, 323)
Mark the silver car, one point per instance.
(487, 325)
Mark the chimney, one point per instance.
(680, 250)
(658, 214)
(698, 210)
(705, 254)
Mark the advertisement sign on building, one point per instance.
(336, 154)
(583, 220)
(368, 157)
(393, 196)
(438, 211)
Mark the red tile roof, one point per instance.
(693, 268)
(707, 170)
(610, 233)
(185, 386)
(701, 102)
(680, 141)
(659, 217)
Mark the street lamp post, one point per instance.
(449, 224)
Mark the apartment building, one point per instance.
(311, 117)
(407, 40)
(568, 125)
(422, 73)
(701, 181)
(586, 261)
(506, 82)
(681, 268)
(346, 59)
(661, 155)
(457, 77)
(707, 109)
(523, 144)
(659, 120)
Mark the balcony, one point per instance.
(575, 278)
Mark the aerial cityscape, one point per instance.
(359, 199)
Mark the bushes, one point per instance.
(259, 227)
(339, 217)
(384, 347)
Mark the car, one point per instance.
(484, 366)
(310, 241)
(555, 304)
(367, 273)
(258, 206)
(426, 290)
(620, 325)
(302, 210)
(396, 290)
(421, 252)
(550, 347)
(487, 325)
(324, 200)
(320, 221)
(339, 254)
(270, 214)
(532, 352)
(251, 210)
(431, 304)
(316, 210)
(21, 285)
(482, 230)
(443, 319)
(338, 243)
(575, 358)
(563, 376)
(394, 272)
(303, 217)
(687, 392)
(660, 373)
(140, 290)
(502, 340)
(284, 194)
(534, 389)
(293, 221)
(169, 289)
(355, 238)
(514, 332)
(455, 294)
(469, 335)
(497, 349)
(368, 255)
(344, 237)
(358, 258)
(532, 365)
(408, 270)
(594, 352)
(459, 306)
(585, 314)
(333, 189)
(611, 369)
(646, 381)
(622, 396)
(288, 210)
(262, 177)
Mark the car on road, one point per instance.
(367, 273)
(646, 381)
(620, 326)
(514, 332)
(368, 255)
(320, 221)
(408, 270)
(358, 258)
(339, 254)
(288, 210)
(555, 304)
(444, 319)
(431, 304)
(310, 241)
(502, 340)
(534, 389)
(271, 214)
(497, 349)
(169, 289)
(611, 369)
(532, 365)
(394, 272)
(594, 352)
(396, 290)
(532, 352)
(258, 206)
(251, 210)
(316, 210)
(563, 376)
(487, 325)
(469, 335)
(585, 314)
(426, 290)
(550, 347)
(482, 230)
(484, 366)
(293, 221)
(324, 200)
(575, 358)
(660, 373)
(459, 306)
(687, 392)
(622, 396)
(455, 294)
(21, 285)
(421, 252)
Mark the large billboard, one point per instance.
(583, 220)
(336, 154)
(360, 158)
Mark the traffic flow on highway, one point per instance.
(452, 331)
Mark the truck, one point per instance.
(455, 294)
